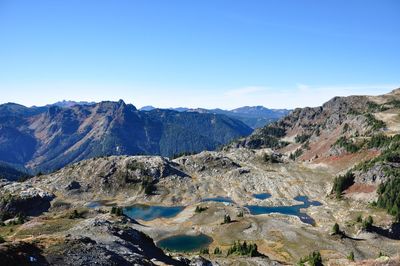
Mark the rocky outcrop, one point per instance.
(207, 163)
(109, 175)
(375, 175)
(100, 242)
(27, 202)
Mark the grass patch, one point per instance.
(48, 227)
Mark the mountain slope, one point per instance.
(356, 134)
(337, 127)
(51, 137)
(10, 173)
(253, 116)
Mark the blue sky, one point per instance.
(219, 53)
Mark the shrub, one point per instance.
(20, 218)
(118, 211)
(204, 251)
(75, 215)
(381, 254)
(2, 240)
(317, 132)
(149, 187)
(296, 154)
(345, 128)
(367, 223)
(273, 158)
(314, 259)
(351, 256)
(359, 219)
(200, 209)
(302, 138)
(227, 219)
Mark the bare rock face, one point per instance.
(28, 202)
(375, 175)
(98, 241)
(73, 185)
(207, 163)
(200, 261)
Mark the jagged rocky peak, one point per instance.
(343, 104)
(105, 106)
(68, 104)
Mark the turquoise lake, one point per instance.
(185, 243)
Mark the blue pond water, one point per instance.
(94, 204)
(148, 213)
(99, 203)
(185, 243)
(288, 210)
(219, 199)
(262, 196)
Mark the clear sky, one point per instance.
(198, 53)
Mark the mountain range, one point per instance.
(253, 116)
(320, 185)
(49, 137)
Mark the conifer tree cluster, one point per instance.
(243, 249)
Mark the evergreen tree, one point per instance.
(367, 223)
(217, 251)
(227, 219)
(336, 229)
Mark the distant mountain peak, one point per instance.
(147, 108)
(67, 103)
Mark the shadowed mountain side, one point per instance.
(47, 138)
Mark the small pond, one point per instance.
(262, 196)
(288, 210)
(99, 203)
(185, 243)
(219, 199)
(148, 213)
